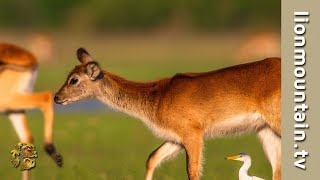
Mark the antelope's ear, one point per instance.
(93, 70)
(83, 56)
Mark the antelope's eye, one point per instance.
(73, 81)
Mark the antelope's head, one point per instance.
(82, 82)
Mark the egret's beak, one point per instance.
(233, 157)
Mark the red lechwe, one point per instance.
(188, 107)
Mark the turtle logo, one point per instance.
(24, 155)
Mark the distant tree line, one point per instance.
(139, 14)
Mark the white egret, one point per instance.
(243, 172)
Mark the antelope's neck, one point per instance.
(134, 98)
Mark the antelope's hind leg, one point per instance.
(165, 151)
(43, 101)
(271, 143)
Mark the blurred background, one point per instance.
(140, 40)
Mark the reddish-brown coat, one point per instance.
(187, 107)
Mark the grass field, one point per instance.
(115, 146)
(110, 145)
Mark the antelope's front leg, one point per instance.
(48, 112)
(193, 147)
(19, 122)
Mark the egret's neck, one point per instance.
(243, 173)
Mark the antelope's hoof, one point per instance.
(58, 158)
(51, 150)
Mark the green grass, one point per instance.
(115, 146)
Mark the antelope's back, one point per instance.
(225, 92)
(256, 80)
(14, 56)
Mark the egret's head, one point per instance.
(240, 157)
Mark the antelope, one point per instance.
(187, 108)
(18, 70)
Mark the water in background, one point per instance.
(83, 106)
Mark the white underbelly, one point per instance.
(165, 134)
(236, 125)
(160, 132)
(26, 82)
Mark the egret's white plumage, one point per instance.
(243, 172)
